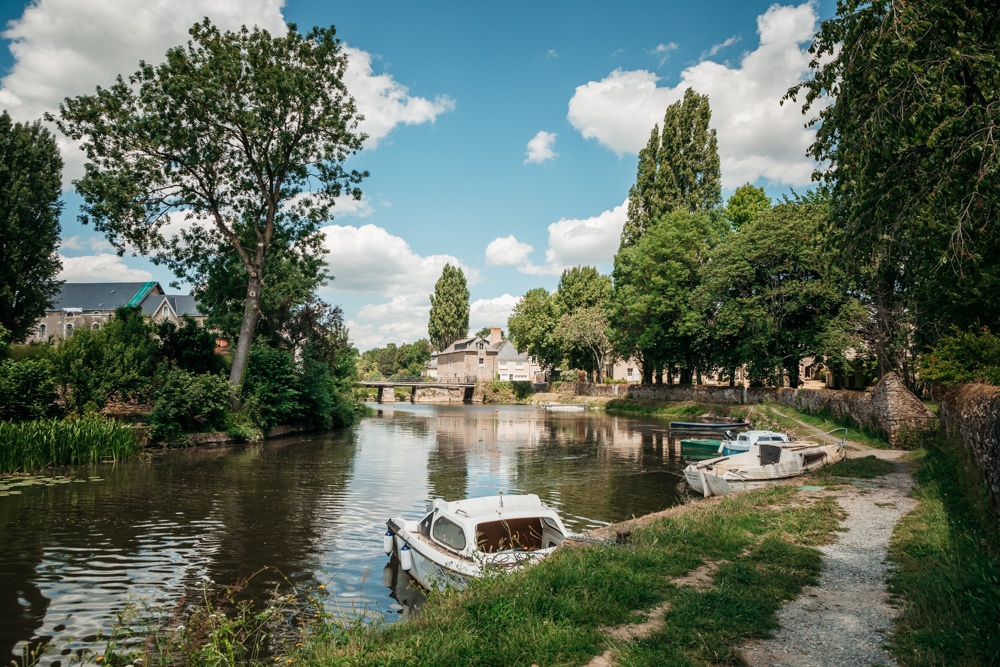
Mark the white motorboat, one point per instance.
(565, 407)
(737, 443)
(464, 539)
(763, 464)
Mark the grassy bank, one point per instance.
(947, 557)
(34, 445)
(722, 568)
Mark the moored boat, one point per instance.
(463, 539)
(700, 448)
(737, 443)
(565, 407)
(763, 464)
(712, 426)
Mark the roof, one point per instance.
(102, 296)
(465, 344)
(507, 352)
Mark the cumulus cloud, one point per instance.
(507, 251)
(540, 148)
(402, 319)
(100, 268)
(65, 48)
(758, 137)
(370, 259)
(572, 242)
(491, 312)
(663, 51)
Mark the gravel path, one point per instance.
(846, 619)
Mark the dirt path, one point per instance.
(847, 618)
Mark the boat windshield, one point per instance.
(520, 534)
(449, 534)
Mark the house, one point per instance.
(91, 305)
(476, 358)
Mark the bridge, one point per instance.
(441, 390)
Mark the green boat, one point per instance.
(700, 448)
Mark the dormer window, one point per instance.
(481, 346)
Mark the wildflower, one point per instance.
(322, 587)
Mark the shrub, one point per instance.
(190, 346)
(271, 388)
(27, 390)
(964, 356)
(186, 402)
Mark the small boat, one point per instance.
(738, 443)
(464, 539)
(565, 407)
(707, 425)
(700, 448)
(763, 464)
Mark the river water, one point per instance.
(77, 545)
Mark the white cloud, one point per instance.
(384, 102)
(540, 148)
(491, 312)
(96, 244)
(572, 242)
(370, 259)
(758, 137)
(104, 267)
(507, 251)
(403, 319)
(663, 51)
(65, 48)
(720, 47)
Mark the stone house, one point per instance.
(476, 358)
(92, 305)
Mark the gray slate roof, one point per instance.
(108, 296)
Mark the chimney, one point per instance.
(495, 336)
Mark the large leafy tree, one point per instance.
(241, 135)
(909, 147)
(652, 314)
(580, 301)
(533, 327)
(678, 169)
(30, 174)
(773, 292)
(449, 317)
(746, 203)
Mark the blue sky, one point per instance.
(503, 136)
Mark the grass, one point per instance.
(780, 417)
(947, 576)
(867, 467)
(34, 445)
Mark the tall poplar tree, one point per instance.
(30, 185)
(678, 169)
(449, 319)
(241, 137)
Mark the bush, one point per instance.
(271, 388)
(963, 356)
(186, 402)
(190, 346)
(27, 390)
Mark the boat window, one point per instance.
(449, 534)
(521, 534)
(425, 526)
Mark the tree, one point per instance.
(449, 318)
(586, 330)
(909, 147)
(582, 289)
(533, 326)
(772, 292)
(678, 168)
(30, 185)
(745, 204)
(243, 136)
(652, 315)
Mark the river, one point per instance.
(76, 545)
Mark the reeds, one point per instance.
(34, 445)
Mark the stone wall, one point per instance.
(438, 395)
(971, 414)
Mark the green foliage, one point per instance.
(909, 151)
(30, 187)
(34, 445)
(449, 317)
(653, 315)
(499, 391)
(406, 360)
(533, 327)
(963, 356)
(771, 290)
(581, 300)
(745, 204)
(115, 362)
(27, 390)
(190, 347)
(185, 401)
(678, 169)
(271, 389)
(230, 129)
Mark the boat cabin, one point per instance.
(492, 525)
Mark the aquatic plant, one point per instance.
(28, 446)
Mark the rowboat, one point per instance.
(707, 425)
(700, 448)
(763, 464)
(464, 539)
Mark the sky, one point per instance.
(502, 137)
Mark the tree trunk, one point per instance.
(251, 312)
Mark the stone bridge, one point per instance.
(449, 390)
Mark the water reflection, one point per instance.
(310, 509)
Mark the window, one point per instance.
(69, 329)
(630, 372)
(449, 534)
(95, 326)
(42, 331)
(482, 362)
(519, 365)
